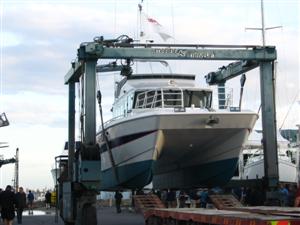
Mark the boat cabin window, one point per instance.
(123, 105)
(200, 99)
(169, 98)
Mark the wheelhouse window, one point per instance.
(170, 98)
(200, 99)
(123, 105)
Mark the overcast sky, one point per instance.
(39, 39)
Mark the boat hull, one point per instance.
(287, 171)
(173, 151)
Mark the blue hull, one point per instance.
(132, 176)
(205, 175)
(138, 175)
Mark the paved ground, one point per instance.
(106, 216)
(37, 219)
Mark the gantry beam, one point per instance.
(77, 69)
(268, 111)
(99, 51)
(232, 70)
(93, 50)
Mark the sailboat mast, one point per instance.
(263, 23)
(263, 29)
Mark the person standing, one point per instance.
(182, 198)
(118, 198)
(30, 198)
(8, 202)
(20, 204)
(284, 192)
(171, 198)
(297, 197)
(203, 198)
(48, 200)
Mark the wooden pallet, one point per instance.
(145, 202)
(225, 201)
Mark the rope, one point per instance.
(294, 100)
(113, 164)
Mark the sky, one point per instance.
(39, 39)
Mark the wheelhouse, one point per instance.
(169, 97)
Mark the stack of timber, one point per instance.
(143, 203)
(225, 201)
(196, 216)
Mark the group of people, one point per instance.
(11, 202)
(288, 195)
(184, 198)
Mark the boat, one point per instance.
(253, 157)
(55, 172)
(165, 130)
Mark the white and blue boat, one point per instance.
(165, 131)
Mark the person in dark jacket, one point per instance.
(8, 202)
(171, 198)
(20, 204)
(48, 200)
(182, 199)
(118, 198)
(30, 198)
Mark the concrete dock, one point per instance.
(106, 216)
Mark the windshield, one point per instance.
(170, 98)
(200, 99)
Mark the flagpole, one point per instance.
(140, 33)
(263, 23)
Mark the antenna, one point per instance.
(141, 32)
(16, 177)
(263, 29)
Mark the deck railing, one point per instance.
(160, 98)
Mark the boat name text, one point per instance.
(185, 53)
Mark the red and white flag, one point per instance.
(156, 27)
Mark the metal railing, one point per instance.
(228, 98)
(159, 98)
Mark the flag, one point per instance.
(156, 27)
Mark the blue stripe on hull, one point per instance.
(206, 175)
(138, 175)
(131, 176)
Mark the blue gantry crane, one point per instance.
(83, 179)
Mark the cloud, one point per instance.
(29, 108)
(38, 145)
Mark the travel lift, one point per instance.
(3, 123)
(7, 161)
(84, 178)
